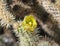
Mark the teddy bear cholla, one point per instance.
(27, 39)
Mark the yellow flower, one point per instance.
(29, 23)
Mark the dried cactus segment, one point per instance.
(5, 16)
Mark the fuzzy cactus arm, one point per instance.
(25, 35)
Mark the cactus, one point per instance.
(26, 36)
